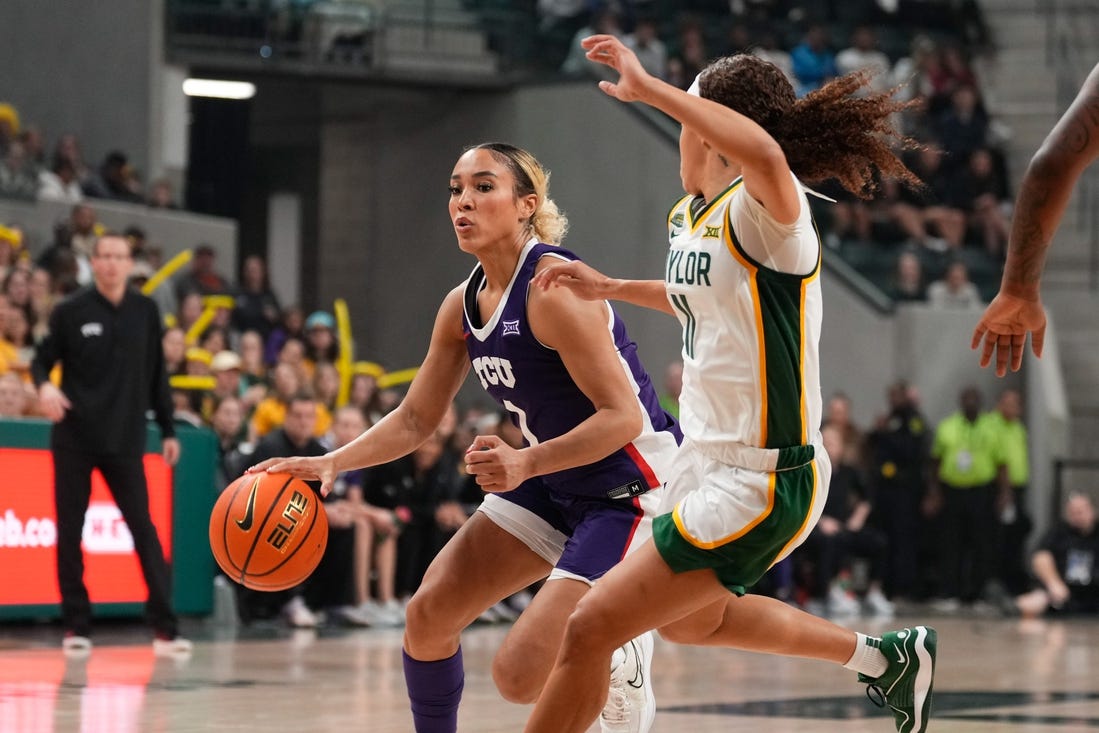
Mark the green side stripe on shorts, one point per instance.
(740, 563)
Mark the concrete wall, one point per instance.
(93, 68)
(385, 242)
(173, 231)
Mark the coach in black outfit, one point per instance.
(107, 340)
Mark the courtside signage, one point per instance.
(28, 533)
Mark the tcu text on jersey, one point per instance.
(493, 370)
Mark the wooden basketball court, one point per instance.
(994, 675)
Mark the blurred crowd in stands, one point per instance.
(915, 244)
(936, 514)
(29, 171)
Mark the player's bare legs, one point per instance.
(478, 567)
(577, 688)
(766, 625)
(526, 657)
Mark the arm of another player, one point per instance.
(1047, 185)
(415, 419)
(766, 173)
(577, 329)
(589, 284)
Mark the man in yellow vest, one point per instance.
(966, 471)
(1010, 437)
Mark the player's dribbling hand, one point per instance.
(608, 50)
(312, 468)
(496, 465)
(1004, 328)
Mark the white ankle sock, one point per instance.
(868, 658)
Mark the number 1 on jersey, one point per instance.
(680, 303)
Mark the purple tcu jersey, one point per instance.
(531, 382)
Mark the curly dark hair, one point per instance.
(828, 134)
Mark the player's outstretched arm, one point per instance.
(1069, 148)
(1047, 185)
(590, 284)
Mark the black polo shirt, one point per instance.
(113, 373)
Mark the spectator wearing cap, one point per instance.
(203, 277)
(321, 344)
(225, 366)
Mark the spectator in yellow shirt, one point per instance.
(271, 411)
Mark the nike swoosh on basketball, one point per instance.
(246, 523)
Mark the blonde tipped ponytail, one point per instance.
(548, 223)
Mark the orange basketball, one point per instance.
(268, 531)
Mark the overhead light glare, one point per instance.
(219, 88)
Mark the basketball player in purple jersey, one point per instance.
(1070, 147)
(572, 502)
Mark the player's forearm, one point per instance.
(1070, 147)
(592, 440)
(1043, 197)
(725, 129)
(644, 293)
(394, 436)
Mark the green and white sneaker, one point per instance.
(906, 684)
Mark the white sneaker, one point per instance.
(75, 645)
(351, 615)
(840, 603)
(878, 605)
(177, 647)
(631, 706)
(298, 614)
(382, 615)
(393, 612)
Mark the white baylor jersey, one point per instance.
(751, 371)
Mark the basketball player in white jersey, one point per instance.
(751, 478)
(1070, 147)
